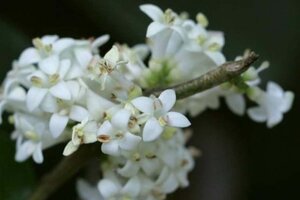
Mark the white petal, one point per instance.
(144, 104)
(152, 130)
(120, 119)
(108, 188)
(78, 113)
(29, 56)
(49, 104)
(49, 65)
(105, 129)
(62, 44)
(168, 99)
(64, 68)
(60, 90)
(129, 141)
(274, 89)
(99, 42)
(176, 119)
(49, 39)
(130, 169)
(17, 94)
(132, 187)
(34, 97)
(274, 119)
(154, 12)
(111, 148)
(24, 151)
(236, 103)
(257, 114)
(287, 101)
(58, 124)
(70, 148)
(170, 185)
(83, 56)
(37, 154)
(155, 28)
(112, 55)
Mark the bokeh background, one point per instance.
(241, 160)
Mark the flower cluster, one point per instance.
(63, 90)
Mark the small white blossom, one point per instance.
(272, 104)
(115, 136)
(157, 112)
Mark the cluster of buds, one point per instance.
(62, 90)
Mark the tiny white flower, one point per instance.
(272, 105)
(115, 136)
(157, 111)
(82, 133)
(111, 189)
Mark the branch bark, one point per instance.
(70, 165)
(66, 169)
(223, 73)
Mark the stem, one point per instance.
(70, 165)
(66, 169)
(215, 77)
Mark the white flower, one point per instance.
(115, 136)
(161, 20)
(83, 133)
(32, 136)
(157, 112)
(272, 105)
(101, 68)
(143, 158)
(111, 189)
(63, 111)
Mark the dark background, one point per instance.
(241, 159)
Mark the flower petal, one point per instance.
(58, 124)
(105, 129)
(99, 42)
(34, 97)
(37, 154)
(62, 44)
(83, 56)
(176, 119)
(170, 185)
(257, 114)
(236, 103)
(288, 101)
(129, 141)
(108, 188)
(29, 56)
(111, 148)
(274, 89)
(70, 148)
(112, 55)
(60, 90)
(50, 64)
(152, 130)
(130, 169)
(155, 28)
(154, 12)
(144, 104)
(78, 113)
(168, 99)
(120, 119)
(132, 187)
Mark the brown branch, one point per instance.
(70, 165)
(66, 169)
(215, 77)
